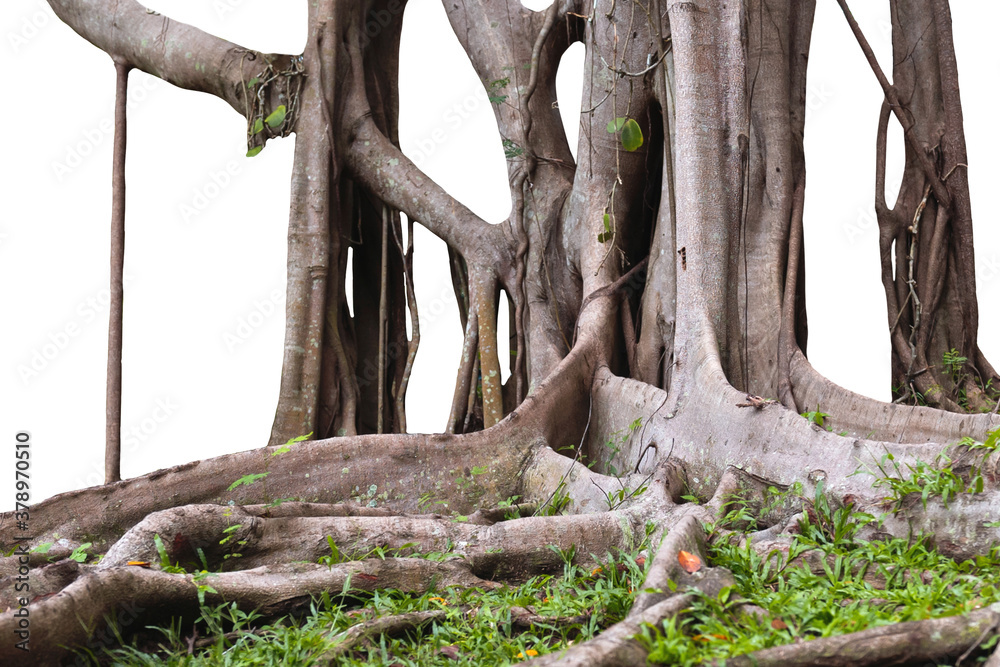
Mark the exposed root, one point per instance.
(994, 660)
(782, 449)
(915, 642)
(866, 417)
(211, 536)
(45, 581)
(70, 618)
(357, 635)
(618, 644)
(686, 535)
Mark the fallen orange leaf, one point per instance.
(689, 562)
(139, 563)
(779, 624)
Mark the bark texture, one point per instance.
(656, 286)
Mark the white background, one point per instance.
(206, 229)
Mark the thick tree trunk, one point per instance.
(657, 284)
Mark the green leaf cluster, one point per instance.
(629, 133)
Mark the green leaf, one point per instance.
(161, 550)
(616, 125)
(607, 222)
(247, 480)
(258, 127)
(287, 447)
(80, 553)
(334, 551)
(277, 117)
(631, 136)
(253, 82)
(254, 151)
(495, 87)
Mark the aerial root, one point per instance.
(71, 618)
(914, 642)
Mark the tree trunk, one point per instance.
(657, 280)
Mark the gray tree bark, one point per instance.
(663, 284)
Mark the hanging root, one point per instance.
(113, 444)
(483, 291)
(411, 301)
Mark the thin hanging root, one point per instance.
(464, 384)
(940, 191)
(519, 370)
(411, 302)
(489, 360)
(470, 404)
(349, 389)
(383, 317)
(113, 430)
(786, 335)
(460, 283)
(628, 332)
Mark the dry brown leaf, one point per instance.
(689, 562)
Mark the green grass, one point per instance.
(915, 583)
(862, 584)
(604, 595)
(919, 584)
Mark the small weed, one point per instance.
(801, 604)
(80, 553)
(616, 441)
(954, 363)
(930, 481)
(818, 418)
(557, 503)
(593, 598)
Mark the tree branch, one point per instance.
(175, 52)
(383, 169)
